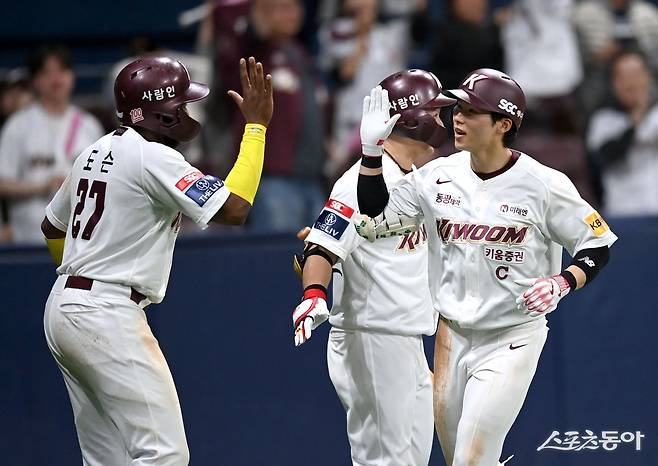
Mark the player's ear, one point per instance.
(504, 125)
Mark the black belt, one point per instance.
(83, 283)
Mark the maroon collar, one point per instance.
(510, 163)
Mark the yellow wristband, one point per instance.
(56, 248)
(244, 178)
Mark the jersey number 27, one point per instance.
(97, 191)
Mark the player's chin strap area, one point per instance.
(311, 249)
(385, 225)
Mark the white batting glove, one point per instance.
(308, 316)
(376, 123)
(542, 296)
(384, 225)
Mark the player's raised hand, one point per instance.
(542, 295)
(256, 102)
(308, 316)
(377, 122)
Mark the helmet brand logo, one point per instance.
(472, 79)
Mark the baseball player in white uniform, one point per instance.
(119, 213)
(496, 221)
(375, 352)
(39, 143)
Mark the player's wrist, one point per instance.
(315, 291)
(372, 150)
(570, 278)
(255, 130)
(563, 283)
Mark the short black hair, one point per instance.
(628, 52)
(38, 58)
(510, 135)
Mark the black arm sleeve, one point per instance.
(372, 194)
(591, 261)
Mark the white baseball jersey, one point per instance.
(484, 234)
(121, 208)
(382, 286)
(36, 146)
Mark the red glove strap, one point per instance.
(562, 282)
(315, 293)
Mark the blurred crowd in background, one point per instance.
(588, 69)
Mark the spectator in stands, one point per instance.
(39, 143)
(605, 27)
(15, 94)
(360, 44)
(541, 54)
(464, 39)
(291, 191)
(623, 139)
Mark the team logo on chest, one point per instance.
(412, 241)
(451, 231)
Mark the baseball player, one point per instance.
(118, 214)
(375, 351)
(496, 221)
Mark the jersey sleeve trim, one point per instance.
(209, 212)
(57, 223)
(328, 244)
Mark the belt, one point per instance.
(83, 283)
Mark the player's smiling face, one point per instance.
(473, 127)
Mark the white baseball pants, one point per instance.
(481, 379)
(385, 386)
(123, 396)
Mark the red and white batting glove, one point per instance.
(543, 295)
(377, 122)
(310, 314)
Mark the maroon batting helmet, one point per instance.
(412, 94)
(151, 93)
(493, 91)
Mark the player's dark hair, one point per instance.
(38, 58)
(511, 134)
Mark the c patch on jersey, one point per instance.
(188, 179)
(596, 223)
(331, 224)
(204, 188)
(337, 206)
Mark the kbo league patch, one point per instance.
(200, 188)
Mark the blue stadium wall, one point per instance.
(250, 398)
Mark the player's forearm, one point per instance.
(586, 265)
(244, 178)
(372, 193)
(317, 271)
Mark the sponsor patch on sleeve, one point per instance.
(204, 188)
(331, 224)
(339, 207)
(188, 179)
(596, 223)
